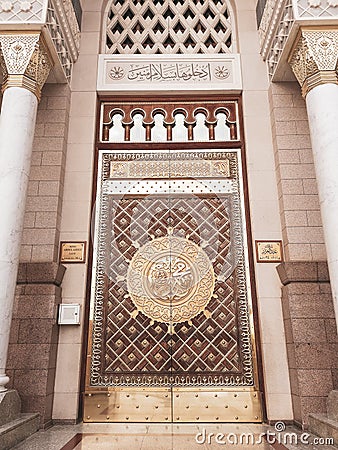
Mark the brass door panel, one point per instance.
(177, 405)
(171, 327)
(129, 405)
(217, 405)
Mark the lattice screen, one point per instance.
(169, 26)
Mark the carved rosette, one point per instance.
(314, 58)
(25, 61)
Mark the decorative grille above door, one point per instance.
(170, 121)
(162, 27)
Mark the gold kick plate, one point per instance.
(172, 405)
(216, 405)
(128, 405)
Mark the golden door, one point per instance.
(171, 332)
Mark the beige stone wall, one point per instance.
(76, 209)
(297, 188)
(306, 300)
(264, 211)
(45, 189)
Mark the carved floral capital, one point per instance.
(25, 61)
(314, 58)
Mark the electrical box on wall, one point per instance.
(69, 314)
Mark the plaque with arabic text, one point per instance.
(159, 72)
(269, 251)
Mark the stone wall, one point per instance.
(309, 320)
(77, 209)
(298, 198)
(311, 336)
(45, 189)
(31, 363)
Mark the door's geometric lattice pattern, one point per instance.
(214, 349)
(163, 26)
(187, 349)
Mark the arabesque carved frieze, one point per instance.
(279, 25)
(25, 61)
(54, 17)
(317, 8)
(314, 58)
(22, 11)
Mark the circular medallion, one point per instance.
(170, 279)
(116, 73)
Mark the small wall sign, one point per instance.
(269, 251)
(72, 252)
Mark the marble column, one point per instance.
(314, 63)
(25, 64)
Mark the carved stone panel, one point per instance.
(278, 29)
(167, 72)
(314, 58)
(25, 61)
(19, 11)
(55, 18)
(162, 27)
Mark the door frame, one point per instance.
(174, 146)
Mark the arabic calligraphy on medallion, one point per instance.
(170, 280)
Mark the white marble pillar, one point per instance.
(25, 63)
(314, 62)
(322, 107)
(17, 124)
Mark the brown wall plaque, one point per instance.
(73, 252)
(269, 251)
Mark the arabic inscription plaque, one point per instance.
(269, 251)
(181, 73)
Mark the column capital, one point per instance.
(25, 61)
(314, 57)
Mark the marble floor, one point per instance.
(170, 437)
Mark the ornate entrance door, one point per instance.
(171, 326)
